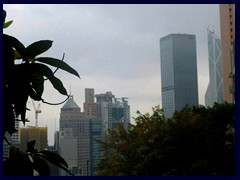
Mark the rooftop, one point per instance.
(70, 104)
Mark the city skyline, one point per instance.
(113, 47)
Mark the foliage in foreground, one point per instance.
(195, 141)
(22, 81)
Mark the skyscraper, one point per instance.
(178, 72)
(227, 26)
(112, 111)
(79, 131)
(214, 91)
(72, 120)
(89, 104)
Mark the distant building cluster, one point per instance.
(76, 139)
(179, 66)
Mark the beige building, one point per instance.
(39, 134)
(68, 150)
(89, 104)
(227, 25)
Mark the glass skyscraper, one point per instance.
(178, 72)
(214, 91)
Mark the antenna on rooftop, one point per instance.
(70, 93)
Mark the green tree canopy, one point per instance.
(195, 141)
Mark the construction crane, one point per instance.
(37, 111)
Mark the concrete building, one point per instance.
(112, 111)
(72, 118)
(39, 134)
(95, 131)
(80, 131)
(214, 91)
(227, 27)
(178, 72)
(13, 139)
(68, 150)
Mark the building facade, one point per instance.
(39, 134)
(178, 72)
(89, 104)
(227, 27)
(84, 129)
(72, 118)
(14, 139)
(214, 91)
(68, 150)
(112, 111)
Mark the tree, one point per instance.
(22, 81)
(195, 141)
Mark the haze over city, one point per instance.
(113, 48)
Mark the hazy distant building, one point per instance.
(80, 131)
(112, 111)
(72, 118)
(13, 139)
(39, 134)
(95, 148)
(178, 72)
(68, 150)
(89, 104)
(214, 91)
(95, 131)
(227, 26)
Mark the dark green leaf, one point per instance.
(42, 70)
(38, 47)
(4, 15)
(30, 146)
(7, 24)
(46, 71)
(58, 85)
(38, 84)
(40, 165)
(15, 43)
(55, 159)
(59, 64)
(33, 95)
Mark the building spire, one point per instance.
(70, 93)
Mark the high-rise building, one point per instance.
(214, 91)
(13, 139)
(95, 127)
(112, 111)
(227, 26)
(72, 118)
(89, 104)
(84, 129)
(68, 150)
(95, 131)
(178, 72)
(39, 134)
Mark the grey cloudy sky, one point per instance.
(113, 47)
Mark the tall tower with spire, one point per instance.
(74, 128)
(214, 91)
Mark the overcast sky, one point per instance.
(113, 48)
